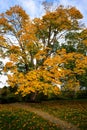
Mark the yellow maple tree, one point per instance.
(37, 60)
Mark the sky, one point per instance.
(35, 9)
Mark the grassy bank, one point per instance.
(73, 111)
(14, 118)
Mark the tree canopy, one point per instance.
(44, 52)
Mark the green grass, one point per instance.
(73, 111)
(13, 118)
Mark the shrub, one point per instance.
(81, 94)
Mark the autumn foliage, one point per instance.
(44, 52)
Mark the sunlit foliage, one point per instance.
(37, 51)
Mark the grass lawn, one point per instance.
(73, 111)
(13, 118)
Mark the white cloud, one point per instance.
(33, 7)
(63, 2)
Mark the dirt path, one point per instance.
(60, 123)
